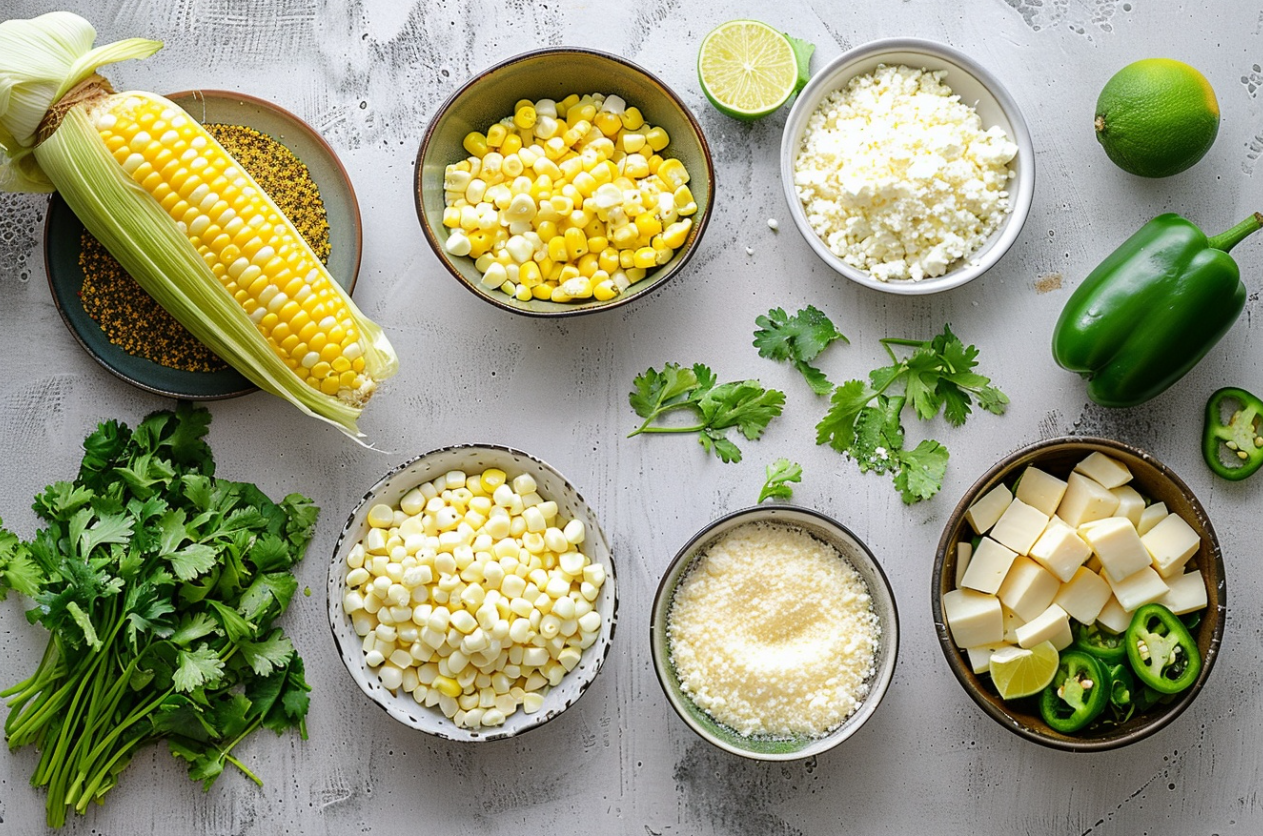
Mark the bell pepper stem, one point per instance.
(1227, 240)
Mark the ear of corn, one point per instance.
(200, 236)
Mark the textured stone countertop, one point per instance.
(368, 75)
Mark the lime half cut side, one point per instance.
(747, 69)
(1021, 673)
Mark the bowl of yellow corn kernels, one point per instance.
(563, 181)
(471, 593)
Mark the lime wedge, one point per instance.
(1020, 673)
(747, 69)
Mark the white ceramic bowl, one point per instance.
(977, 87)
(823, 528)
(471, 458)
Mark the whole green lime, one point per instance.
(1157, 117)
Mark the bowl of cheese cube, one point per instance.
(1062, 548)
(563, 181)
(471, 593)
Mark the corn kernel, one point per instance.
(475, 143)
(496, 135)
(645, 258)
(657, 138)
(631, 118)
(525, 116)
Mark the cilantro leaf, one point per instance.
(922, 470)
(744, 404)
(197, 668)
(798, 339)
(837, 428)
(779, 474)
(17, 570)
(269, 654)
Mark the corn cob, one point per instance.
(204, 240)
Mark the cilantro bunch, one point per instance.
(864, 421)
(159, 584)
(744, 404)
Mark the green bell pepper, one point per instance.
(1151, 310)
(1079, 692)
(1161, 650)
(1240, 435)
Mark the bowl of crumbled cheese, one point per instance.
(907, 166)
(774, 633)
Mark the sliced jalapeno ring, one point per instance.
(1161, 650)
(1104, 644)
(1078, 694)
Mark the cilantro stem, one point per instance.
(648, 429)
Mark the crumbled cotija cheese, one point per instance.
(772, 633)
(898, 177)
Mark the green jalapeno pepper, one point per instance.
(1161, 650)
(1079, 692)
(1152, 309)
(1122, 692)
(1239, 436)
(1097, 641)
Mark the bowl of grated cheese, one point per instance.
(907, 166)
(774, 633)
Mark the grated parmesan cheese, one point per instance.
(772, 633)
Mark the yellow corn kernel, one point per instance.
(635, 274)
(608, 259)
(597, 243)
(657, 138)
(632, 141)
(563, 106)
(645, 258)
(512, 144)
(588, 264)
(654, 162)
(557, 248)
(585, 113)
(543, 291)
(475, 143)
(674, 173)
(570, 166)
(604, 291)
(626, 258)
(585, 183)
(607, 123)
(480, 241)
(647, 225)
(547, 230)
(684, 202)
(496, 135)
(635, 166)
(525, 116)
(578, 287)
(675, 235)
(568, 272)
(631, 118)
(529, 275)
(523, 293)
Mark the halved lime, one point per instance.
(747, 69)
(1018, 672)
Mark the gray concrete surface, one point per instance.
(368, 75)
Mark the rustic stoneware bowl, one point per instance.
(555, 73)
(1155, 480)
(847, 544)
(471, 458)
(976, 86)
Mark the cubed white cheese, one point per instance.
(1011, 622)
(964, 551)
(984, 513)
(1130, 504)
(988, 566)
(1138, 588)
(1094, 563)
(1118, 545)
(973, 618)
(1041, 490)
(1028, 588)
(1085, 500)
(1104, 469)
(1060, 550)
(1185, 593)
(1171, 542)
(980, 657)
(1150, 517)
(1083, 596)
(1019, 526)
(1113, 616)
(1052, 625)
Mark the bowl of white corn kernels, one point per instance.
(1064, 542)
(472, 593)
(563, 181)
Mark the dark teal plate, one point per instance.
(62, 232)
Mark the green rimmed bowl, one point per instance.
(63, 231)
(823, 528)
(555, 73)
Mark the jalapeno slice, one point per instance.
(1161, 650)
(1237, 438)
(1095, 640)
(1078, 694)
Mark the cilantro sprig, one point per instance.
(799, 339)
(779, 474)
(159, 584)
(743, 404)
(864, 422)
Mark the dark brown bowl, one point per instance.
(555, 73)
(1058, 456)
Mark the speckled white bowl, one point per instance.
(471, 458)
(827, 530)
(976, 86)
